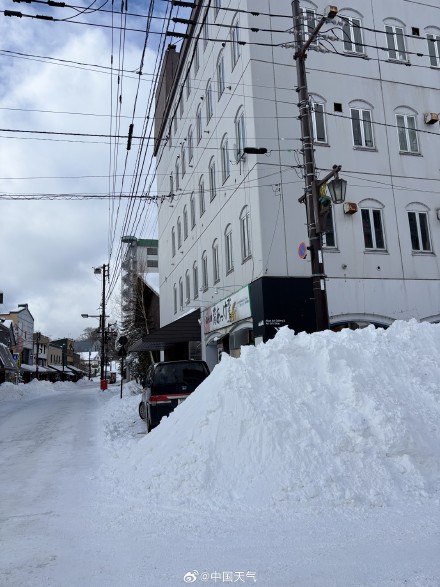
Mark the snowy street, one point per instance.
(337, 489)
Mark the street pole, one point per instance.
(105, 269)
(311, 191)
(38, 353)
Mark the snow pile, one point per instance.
(329, 418)
(10, 391)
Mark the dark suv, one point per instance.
(167, 384)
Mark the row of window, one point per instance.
(362, 128)
(374, 234)
(215, 257)
(395, 33)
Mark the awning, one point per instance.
(186, 329)
(59, 369)
(33, 368)
(6, 361)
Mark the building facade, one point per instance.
(231, 226)
(23, 325)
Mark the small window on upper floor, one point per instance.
(433, 41)
(395, 36)
(193, 210)
(407, 133)
(226, 166)
(235, 42)
(419, 229)
(179, 233)
(199, 124)
(196, 58)
(190, 145)
(318, 123)
(240, 136)
(208, 101)
(352, 35)
(362, 128)
(372, 225)
(220, 75)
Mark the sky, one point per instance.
(49, 247)
(311, 461)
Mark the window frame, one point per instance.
(202, 203)
(173, 242)
(315, 123)
(199, 130)
(185, 222)
(215, 262)
(433, 41)
(179, 233)
(209, 111)
(351, 44)
(393, 34)
(190, 145)
(181, 293)
(329, 222)
(229, 258)
(175, 298)
(192, 207)
(362, 127)
(235, 42)
(370, 217)
(220, 69)
(240, 134)
(245, 234)
(226, 165)
(418, 235)
(187, 287)
(205, 278)
(195, 271)
(403, 132)
(212, 180)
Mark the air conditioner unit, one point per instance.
(431, 118)
(350, 208)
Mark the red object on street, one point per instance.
(103, 384)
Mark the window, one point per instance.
(419, 231)
(170, 137)
(434, 49)
(406, 126)
(201, 196)
(171, 185)
(199, 124)
(175, 122)
(239, 134)
(175, 298)
(235, 42)
(179, 233)
(183, 154)
(173, 242)
(228, 249)
(193, 211)
(185, 223)
(245, 234)
(205, 32)
(396, 43)
(372, 225)
(177, 173)
(188, 83)
(187, 288)
(309, 24)
(204, 271)
(190, 145)
(362, 128)
(318, 123)
(181, 104)
(195, 280)
(217, 6)
(328, 237)
(226, 166)
(212, 188)
(215, 263)
(220, 76)
(352, 34)
(181, 293)
(196, 59)
(208, 101)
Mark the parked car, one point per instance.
(167, 384)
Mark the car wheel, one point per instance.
(142, 410)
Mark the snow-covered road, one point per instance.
(339, 488)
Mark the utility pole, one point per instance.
(311, 191)
(38, 334)
(104, 270)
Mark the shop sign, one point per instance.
(232, 309)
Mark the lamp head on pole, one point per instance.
(337, 188)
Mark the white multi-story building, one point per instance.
(231, 233)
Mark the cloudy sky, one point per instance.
(50, 246)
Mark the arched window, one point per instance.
(195, 280)
(212, 186)
(220, 75)
(183, 161)
(173, 242)
(226, 166)
(395, 35)
(215, 262)
(204, 271)
(240, 136)
(318, 120)
(406, 123)
(418, 218)
(187, 287)
(433, 40)
(245, 234)
(190, 144)
(179, 233)
(228, 249)
(199, 124)
(181, 293)
(201, 196)
(352, 32)
(372, 224)
(193, 211)
(175, 298)
(208, 101)
(235, 41)
(185, 223)
(177, 173)
(171, 184)
(362, 124)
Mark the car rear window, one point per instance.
(168, 376)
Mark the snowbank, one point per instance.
(329, 418)
(10, 391)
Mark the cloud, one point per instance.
(48, 247)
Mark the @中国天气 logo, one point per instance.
(191, 577)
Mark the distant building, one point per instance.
(23, 325)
